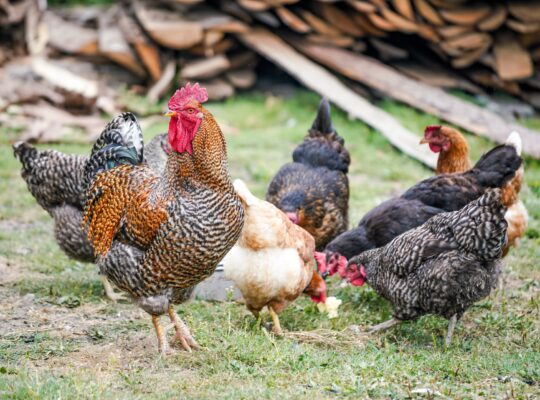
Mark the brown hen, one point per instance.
(313, 190)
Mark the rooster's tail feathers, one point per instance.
(121, 142)
(323, 120)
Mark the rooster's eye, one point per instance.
(191, 110)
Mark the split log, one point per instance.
(326, 84)
(81, 40)
(205, 68)
(113, 44)
(421, 96)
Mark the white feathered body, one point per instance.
(272, 262)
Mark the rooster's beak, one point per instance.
(424, 141)
(169, 113)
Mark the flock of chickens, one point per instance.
(158, 218)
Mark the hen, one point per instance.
(56, 180)
(272, 263)
(313, 190)
(454, 157)
(441, 267)
(446, 192)
(177, 225)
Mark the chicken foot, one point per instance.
(163, 345)
(183, 335)
(276, 328)
(451, 326)
(109, 291)
(384, 325)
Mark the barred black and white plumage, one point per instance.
(441, 267)
(57, 181)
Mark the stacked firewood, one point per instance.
(81, 55)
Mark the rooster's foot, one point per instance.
(163, 345)
(182, 335)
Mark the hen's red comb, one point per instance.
(187, 93)
(430, 129)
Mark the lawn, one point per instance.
(61, 338)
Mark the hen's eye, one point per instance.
(191, 110)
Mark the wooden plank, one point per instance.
(326, 84)
(81, 40)
(512, 61)
(424, 97)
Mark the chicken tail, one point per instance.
(323, 120)
(500, 164)
(25, 153)
(479, 227)
(323, 147)
(121, 142)
(242, 190)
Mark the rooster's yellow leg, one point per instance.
(275, 319)
(183, 335)
(109, 291)
(163, 345)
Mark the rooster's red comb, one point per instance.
(430, 129)
(187, 93)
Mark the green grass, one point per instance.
(69, 342)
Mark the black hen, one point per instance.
(441, 267)
(446, 192)
(313, 190)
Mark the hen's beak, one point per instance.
(169, 113)
(424, 141)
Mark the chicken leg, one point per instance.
(109, 291)
(451, 326)
(163, 346)
(384, 325)
(183, 335)
(275, 319)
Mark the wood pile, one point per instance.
(151, 46)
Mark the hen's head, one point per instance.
(329, 263)
(355, 272)
(186, 112)
(303, 210)
(442, 138)
(316, 289)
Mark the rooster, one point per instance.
(454, 157)
(178, 224)
(272, 263)
(442, 267)
(56, 180)
(313, 190)
(441, 193)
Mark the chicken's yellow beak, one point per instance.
(424, 141)
(170, 113)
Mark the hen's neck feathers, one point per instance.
(208, 164)
(456, 158)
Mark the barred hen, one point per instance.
(56, 181)
(178, 224)
(313, 190)
(441, 267)
(454, 157)
(272, 263)
(441, 193)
